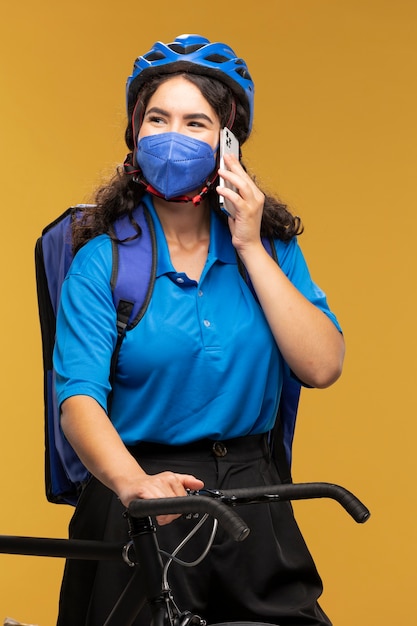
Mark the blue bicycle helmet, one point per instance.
(195, 54)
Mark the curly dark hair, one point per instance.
(122, 193)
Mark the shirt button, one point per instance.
(179, 279)
(206, 323)
(200, 293)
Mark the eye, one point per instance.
(199, 121)
(155, 119)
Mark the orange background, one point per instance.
(335, 137)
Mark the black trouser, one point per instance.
(269, 577)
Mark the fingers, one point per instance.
(191, 482)
(248, 204)
(178, 483)
(168, 484)
(248, 197)
(163, 485)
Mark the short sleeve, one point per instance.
(294, 266)
(86, 325)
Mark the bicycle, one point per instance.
(142, 551)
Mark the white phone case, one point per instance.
(228, 145)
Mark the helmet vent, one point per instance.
(244, 73)
(154, 56)
(179, 49)
(217, 58)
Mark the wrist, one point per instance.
(251, 253)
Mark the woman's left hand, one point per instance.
(248, 203)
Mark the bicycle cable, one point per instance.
(173, 558)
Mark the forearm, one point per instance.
(97, 443)
(308, 340)
(100, 448)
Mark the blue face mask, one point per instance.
(175, 164)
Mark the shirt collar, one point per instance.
(221, 247)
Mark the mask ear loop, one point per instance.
(130, 166)
(232, 115)
(139, 118)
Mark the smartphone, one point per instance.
(228, 145)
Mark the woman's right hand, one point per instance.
(163, 485)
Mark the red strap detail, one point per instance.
(136, 173)
(155, 192)
(232, 115)
(129, 168)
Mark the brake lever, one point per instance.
(232, 500)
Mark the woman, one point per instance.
(203, 364)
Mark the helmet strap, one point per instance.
(209, 183)
(137, 119)
(128, 166)
(232, 115)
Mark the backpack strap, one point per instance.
(133, 273)
(132, 289)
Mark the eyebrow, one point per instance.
(189, 116)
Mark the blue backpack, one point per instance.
(65, 475)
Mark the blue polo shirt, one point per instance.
(201, 363)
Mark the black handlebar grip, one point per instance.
(306, 491)
(227, 517)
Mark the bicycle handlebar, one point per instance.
(304, 491)
(227, 518)
(218, 503)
